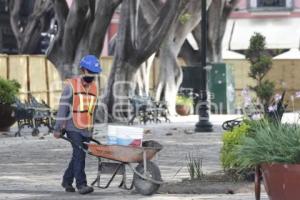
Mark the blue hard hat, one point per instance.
(91, 63)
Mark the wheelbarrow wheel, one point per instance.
(144, 186)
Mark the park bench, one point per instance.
(33, 114)
(145, 109)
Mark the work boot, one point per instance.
(68, 187)
(85, 189)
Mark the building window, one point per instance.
(271, 3)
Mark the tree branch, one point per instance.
(35, 25)
(153, 37)
(15, 7)
(102, 20)
(54, 51)
(74, 24)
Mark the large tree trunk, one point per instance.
(81, 31)
(136, 42)
(27, 29)
(142, 78)
(170, 76)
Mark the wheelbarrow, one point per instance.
(146, 175)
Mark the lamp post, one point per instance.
(203, 124)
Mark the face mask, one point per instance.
(88, 79)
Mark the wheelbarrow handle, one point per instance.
(95, 141)
(63, 133)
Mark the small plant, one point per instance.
(183, 100)
(261, 63)
(230, 140)
(9, 89)
(229, 158)
(271, 143)
(195, 164)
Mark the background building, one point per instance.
(277, 20)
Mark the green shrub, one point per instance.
(230, 140)
(260, 64)
(271, 143)
(183, 100)
(9, 89)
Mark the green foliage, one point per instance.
(183, 100)
(194, 166)
(230, 140)
(260, 67)
(9, 89)
(261, 63)
(184, 18)
(271, 143)
(265, 91)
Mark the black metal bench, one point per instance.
(230, 124)
(145, 109)
(33, 114)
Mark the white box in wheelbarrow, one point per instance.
(125, 135)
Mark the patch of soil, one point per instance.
(209, 184)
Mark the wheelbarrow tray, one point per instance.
(125, 154)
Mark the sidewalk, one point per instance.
(31, 168)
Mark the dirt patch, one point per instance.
(209, 184)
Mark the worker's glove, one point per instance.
(57, 134)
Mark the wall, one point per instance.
(35, 74)
(39, 77)
(283, 73)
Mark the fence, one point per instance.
(38, 76)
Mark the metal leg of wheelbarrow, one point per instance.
(257, 182)
(123, 183)
(118, 169)
(145, 162)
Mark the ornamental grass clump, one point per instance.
(271, 143)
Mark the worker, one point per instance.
(75, 115)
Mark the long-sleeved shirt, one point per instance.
(64, 114)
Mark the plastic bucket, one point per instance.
(124, 135)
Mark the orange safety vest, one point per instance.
(84, 103)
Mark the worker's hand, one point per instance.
(57, 134)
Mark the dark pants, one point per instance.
(77, 163)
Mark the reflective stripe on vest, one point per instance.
(92, 103)
(81, 106)
(84, 102)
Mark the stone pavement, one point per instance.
(31, 168)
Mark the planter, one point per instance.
(183, 110)
(281, 181)
(6, 117)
